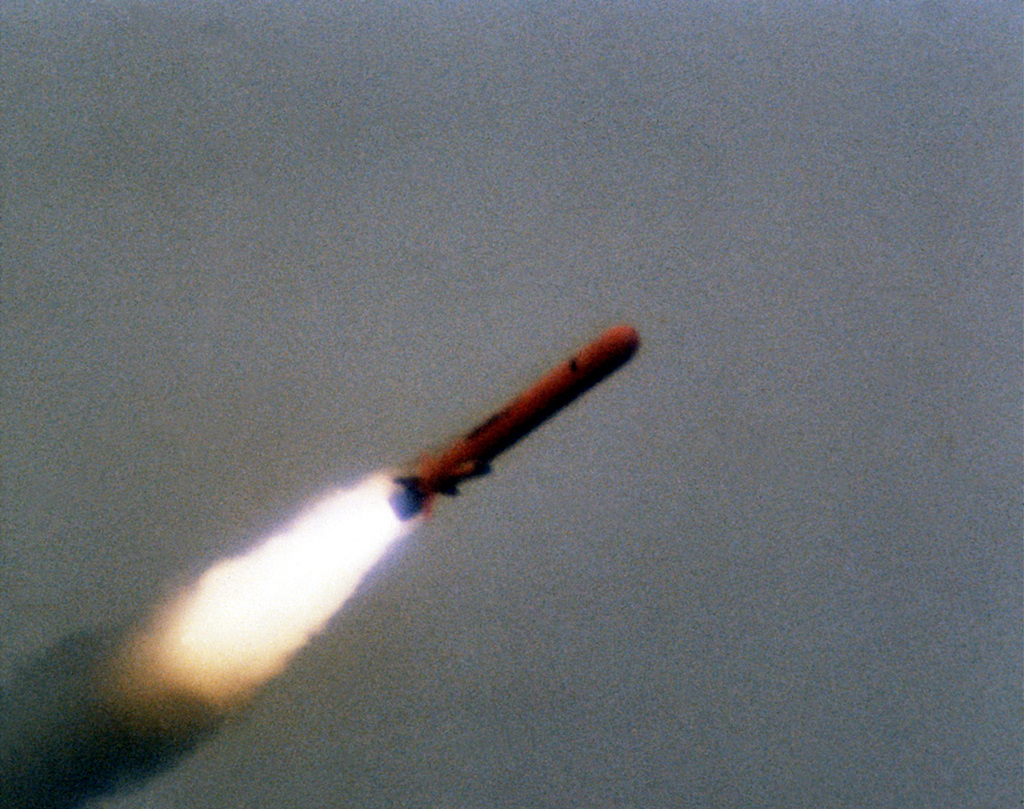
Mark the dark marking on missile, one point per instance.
(493, 419)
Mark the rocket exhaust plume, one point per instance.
(106, 709)
(240, 624)
(103, 710)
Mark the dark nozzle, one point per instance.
(409, 500)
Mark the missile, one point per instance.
(470, 455)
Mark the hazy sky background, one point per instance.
(251, 252)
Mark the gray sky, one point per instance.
(250, 253)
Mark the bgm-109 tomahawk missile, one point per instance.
(470, 455)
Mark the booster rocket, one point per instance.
(471, 454)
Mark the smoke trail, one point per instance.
(105, 709)
(65, 737)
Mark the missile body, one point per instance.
(470, 455)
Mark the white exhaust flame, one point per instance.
(245, 617)
(103, 709)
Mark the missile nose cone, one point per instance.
(622, 340)
(625, 337)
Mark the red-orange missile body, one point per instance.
(470, 455)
